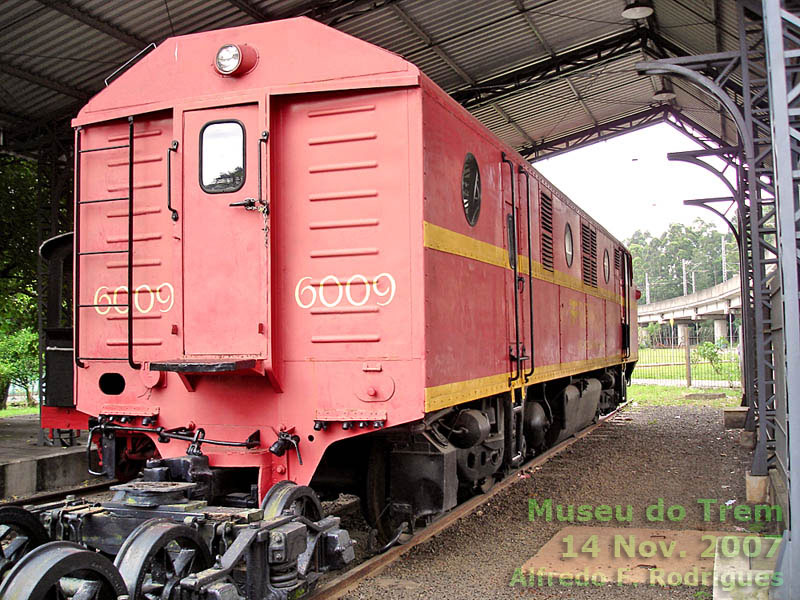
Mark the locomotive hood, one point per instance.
(312, 57)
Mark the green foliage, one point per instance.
(18, 410)
(18, 356)
(709, 352)
(19, 185)
(18, 224)
(649, 335)
(19, 359)
(661, 258)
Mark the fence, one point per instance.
(666, 360)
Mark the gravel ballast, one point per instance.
(678, 453)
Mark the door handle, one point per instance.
(260, 203)
(173, 147)
(248, 203)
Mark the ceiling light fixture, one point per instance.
(664, 94)
(638, 9)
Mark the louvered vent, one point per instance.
(589, 254)
(546, 231)
(617, 259)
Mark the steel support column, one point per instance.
(732, 158)
(782, 41)
(757, 210)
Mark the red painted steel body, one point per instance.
(364, 295)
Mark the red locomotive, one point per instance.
(296, 259)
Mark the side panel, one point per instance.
(547, 325)
(103, 264)
(595, 327)
(573, 325)
(469, 302)
(341, 224)
(466, 267)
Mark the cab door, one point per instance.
(224, 233)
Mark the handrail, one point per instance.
(626, 332)
(514, 351)
(131, 291)
(76, 309)
(262, 140)
(530, 271)
(145, 50)
(173, 147)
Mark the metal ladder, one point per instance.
(129, 251)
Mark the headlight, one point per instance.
(235, 60)
(229, 57)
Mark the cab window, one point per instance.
(222, 157)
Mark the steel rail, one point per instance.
(345, 582)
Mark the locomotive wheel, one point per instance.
(20, 532)
(157, 555)
(286, 497)
(63, 571)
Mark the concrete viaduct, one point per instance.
(715, 303)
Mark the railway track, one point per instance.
(340, 585)
(55, 495)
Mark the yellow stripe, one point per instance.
(451, 242)
(449, 394)
(445, 240)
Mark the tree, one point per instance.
(19, 362)
(662, 258)
(22, 184)
(18, 240)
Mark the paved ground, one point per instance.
(676, 453)
(19, 437)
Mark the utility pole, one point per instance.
(685, 290)
(724, 260)
(646, 289)
(693, 282)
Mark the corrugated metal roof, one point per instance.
(55, 53)
(568, 24)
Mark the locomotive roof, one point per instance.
(163, 79)
(294, 56)
(544, 75)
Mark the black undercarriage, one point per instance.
(151, 541)
(161, 537)
(408, 475)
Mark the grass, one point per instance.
(16, 411)
(669, 363)
(661, 395)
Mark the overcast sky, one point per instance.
(627, 183)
